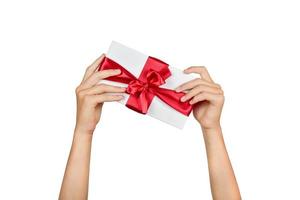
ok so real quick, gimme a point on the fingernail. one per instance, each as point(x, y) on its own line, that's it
point(186, 71)
point(117, 71)
point(191, 102)
point(178, 89)
point(183, 98)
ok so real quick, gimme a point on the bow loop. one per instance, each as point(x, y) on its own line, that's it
point(155, 79)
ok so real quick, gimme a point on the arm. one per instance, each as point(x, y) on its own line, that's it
point(207, 98)
point(90, 99)
point(222, 178)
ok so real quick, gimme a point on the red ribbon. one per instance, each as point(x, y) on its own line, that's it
point(143, 89)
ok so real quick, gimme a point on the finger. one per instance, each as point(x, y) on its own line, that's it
point(201, 88)
point(199, 70)
point(93, 67)
point(97, 76)
point(105, 98)
point(102, 88)
point(193, 83)
point(207, 96)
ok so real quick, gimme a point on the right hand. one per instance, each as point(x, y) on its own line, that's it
point(206, 96)
point(91, 95)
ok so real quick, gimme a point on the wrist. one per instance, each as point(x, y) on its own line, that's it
point(212, 129)
point(212, 133)
point(215, 127)
point(83, 134)
point(79, 129)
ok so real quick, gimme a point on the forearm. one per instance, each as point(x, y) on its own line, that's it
point(222, 178)
point(90, 97)
point(76, 178)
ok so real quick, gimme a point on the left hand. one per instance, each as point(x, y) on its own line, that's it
point(91, 95)
point(206, 97)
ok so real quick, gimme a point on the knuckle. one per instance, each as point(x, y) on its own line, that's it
point(102, 88)
point(218, 85)
point(222, 94)
point(204, 94)
point(103, 98)
point(80, 94)
point(98, 74)
point(196, 98)
point(77, 89)
point(203, 68)
point(114, 97)
point(221, 97)
point(198, 80)
point(200, 87)
point(107, 72)
point(188, 96)
point(217, 90)
point(88, 69)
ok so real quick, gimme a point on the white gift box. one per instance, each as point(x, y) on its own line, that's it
point(134, 62)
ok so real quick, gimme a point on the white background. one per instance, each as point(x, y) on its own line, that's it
point(251, 48)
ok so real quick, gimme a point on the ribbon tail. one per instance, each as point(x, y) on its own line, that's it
point(172, 98)
point(141, 103)
point(124, 77)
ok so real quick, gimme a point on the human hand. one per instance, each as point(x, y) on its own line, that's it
point(206, 97)
point(91, 95)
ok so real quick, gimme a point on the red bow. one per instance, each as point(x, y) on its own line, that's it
point(143, 89)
